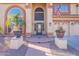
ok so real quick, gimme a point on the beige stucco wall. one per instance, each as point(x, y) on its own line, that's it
point(29, 21)
point(50, 26)
point(73, 9)
point(69, 28)
point(74, 29)
point(49, 21)
point(78, 10)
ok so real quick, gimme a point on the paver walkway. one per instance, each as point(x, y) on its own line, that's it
point(42, 46)
point(37, 46)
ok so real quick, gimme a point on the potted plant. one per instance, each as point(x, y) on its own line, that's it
point(1, 30)
point(60, 32)
point(59, 41)
point(19, 23)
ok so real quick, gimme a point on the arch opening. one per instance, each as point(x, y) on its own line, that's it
point(10, 20)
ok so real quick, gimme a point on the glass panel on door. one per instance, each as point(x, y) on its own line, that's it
point(38, 29)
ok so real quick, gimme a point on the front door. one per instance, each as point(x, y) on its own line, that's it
point(39, 21)
point(39, 29)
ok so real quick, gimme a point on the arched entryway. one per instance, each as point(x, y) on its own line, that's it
point(10, 13)
point(39, 21)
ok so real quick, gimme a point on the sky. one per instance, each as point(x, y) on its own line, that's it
point(15, 11)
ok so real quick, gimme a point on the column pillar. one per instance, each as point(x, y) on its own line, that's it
point(28, 21)
point(49, 20)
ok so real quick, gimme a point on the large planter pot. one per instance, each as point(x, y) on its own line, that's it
point(60, 34)
point(16, 43)
point(62, 44)
point(17, 33)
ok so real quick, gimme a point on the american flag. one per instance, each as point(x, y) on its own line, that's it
point(58, 11)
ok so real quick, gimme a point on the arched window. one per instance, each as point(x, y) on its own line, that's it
point(39, 9)
point(11, 13)
point(39, 14)
point(14, 11)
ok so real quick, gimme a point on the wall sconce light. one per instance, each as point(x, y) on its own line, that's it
point(50, 24)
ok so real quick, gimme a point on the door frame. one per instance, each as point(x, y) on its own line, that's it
point(33, 18)
point(42, 28)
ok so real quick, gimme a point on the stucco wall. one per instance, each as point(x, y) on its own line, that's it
point(51, 27)
point(74, 29)
point(71, 29)
point(49, 21)
point(73, 9)
point(29, 21)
